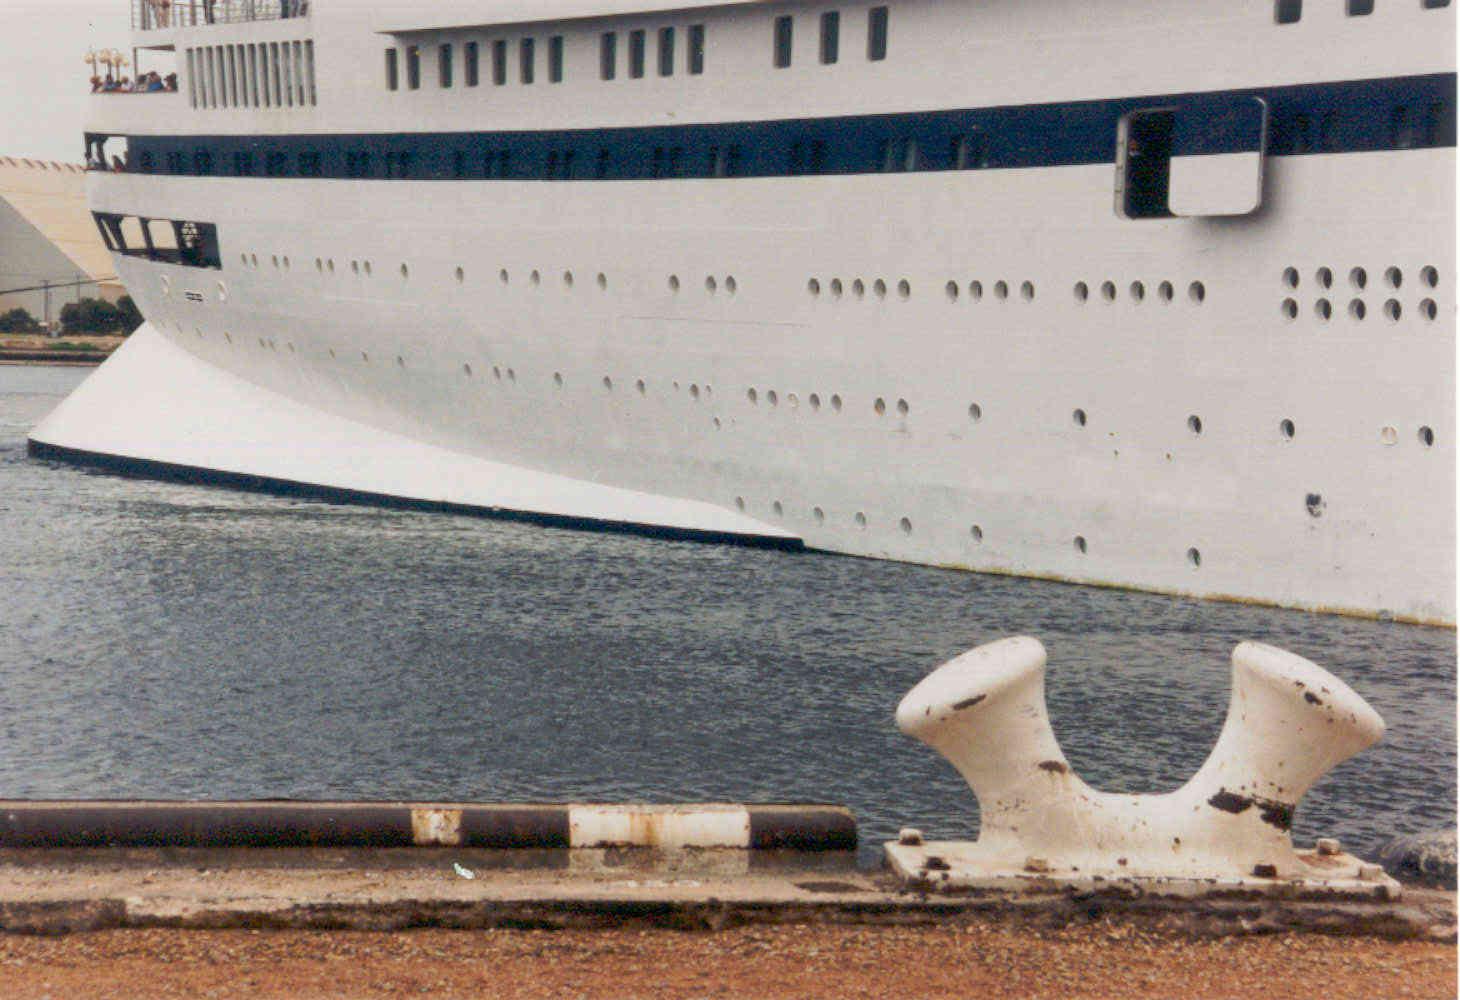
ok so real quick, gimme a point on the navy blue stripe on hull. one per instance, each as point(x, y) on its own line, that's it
point(142, 468)
point(1415, 112)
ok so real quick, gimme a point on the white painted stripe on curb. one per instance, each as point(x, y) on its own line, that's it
point(662, 826)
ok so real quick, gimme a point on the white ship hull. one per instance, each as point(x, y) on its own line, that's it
point(681, 361)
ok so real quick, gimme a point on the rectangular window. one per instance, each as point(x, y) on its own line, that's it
point(469, 54)
point(608, 55)
point(499, 63)
point(443, 63)
point(309, 69)
point(666, 51)
point(696, 52)
point(831, 32)
point(413, 67)
point(288, 77)
point(877, 34)
point(202, 162)
point(783, 42)
point(233, 76)
point(207, 88)
point(527, 53)
point(192, 78)
point(275, 164)
point(243, 76)
point(310, 164)
point(1288, 11)
point(1435, 4)
point(555, 59)
point(253, 73)
point(275, 75)
point(268, 101)
point(300, 90)
point(1358, 8)
point(636, 54)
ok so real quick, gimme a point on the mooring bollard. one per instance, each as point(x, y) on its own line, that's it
point(1288, 723)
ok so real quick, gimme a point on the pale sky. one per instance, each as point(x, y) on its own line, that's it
point(43, 102)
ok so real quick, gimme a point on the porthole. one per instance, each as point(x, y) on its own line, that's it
point(497, 373)
point(1323, 309)
point(1026, 291)
point(400, 362)
point(975, 290)
point(229, 337)
point(254, 259)
point(836, 403)
point(731, 285)
point(244, 257)
point(902, 407)
point(465, 369)
point(1357, 309)
point(1290, 277)
point(905, 525)
point(365, 357)
point(602, 282)
point(1389, 436)
point(1427, 437)
point(739, 503)
point(534, 279)
point(504, 277)
point(607, 384)
point(674, 283)
point(1193, 556)
point(694, 392)
point(1393, 310)
point(319, 265)
point(1165, 291)
point(793, 400)
point(1081, 546)
point(858, 288)
point(904, 289)
point(511, 375)
point(332, 352)
point(275, 260)
point(711, 285)
point(1288, 429)
point(567, 279)
point(951, 291)
point(772, 398)
point(880, 406)
point(639, 384)
point(1358, 277)
point(879, 288)
point(1079, 418)
point(1290, 308)
point(779, 510)
point(814, 400)
point(166, 286)
point(1324, 277)
point(1429, 276)
point(1193, 424)
point(355, 266)
point(860, 519)
point(1137, 291)
point(976, 533)
point(836, 288)
point(1197, 292)
point(1428, 309)
point(405, 271)
point(1393, 277)
point(286, 263)
point(751, 395)
point(814, 287)
point(1107, 291)
point(330, 265)
point(558, 379)
point(975, 412)
point(819, 515)
point(460, 275)
point(1082, 292)
point(368, 269)
point(222, 292)
point(1001, 289)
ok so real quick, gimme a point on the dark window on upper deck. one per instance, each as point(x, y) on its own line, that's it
point(469, 55)
point(392, 70)
point(499, 62)
point(604, 165)
point(443, 62)
point(696, 49)
point(144, 163)
point(666, 51)
point(636, 53)
point(175, 163)
point(970, 152)
point(1288, 11)
point(782, 52)
point(1358, 8)
point(413, 67)
point(311, 164)
point(555, 59)
point(831, 34)
point(243, 164)
point(608, 55)
point(202, 162)
point(276, 164)
point(527, 56)
point(877, 34)
point(1434, 4)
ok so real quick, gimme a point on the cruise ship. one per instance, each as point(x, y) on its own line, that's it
point(1153, 296)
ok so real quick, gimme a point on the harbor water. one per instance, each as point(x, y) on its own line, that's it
point(175, 641)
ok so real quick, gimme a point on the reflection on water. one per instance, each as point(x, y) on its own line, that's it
point(167, 640)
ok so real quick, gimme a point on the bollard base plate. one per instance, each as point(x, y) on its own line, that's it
point(954, 866)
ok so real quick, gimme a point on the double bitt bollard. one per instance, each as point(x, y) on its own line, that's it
point(1289, 722)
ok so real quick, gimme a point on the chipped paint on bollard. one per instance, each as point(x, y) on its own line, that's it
point(1227, 829)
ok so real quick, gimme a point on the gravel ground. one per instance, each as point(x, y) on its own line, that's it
point(963, 961)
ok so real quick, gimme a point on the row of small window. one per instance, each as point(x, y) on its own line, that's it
point(527, 59)
point(256, 75)
point(829, 47)
point(1291, 11)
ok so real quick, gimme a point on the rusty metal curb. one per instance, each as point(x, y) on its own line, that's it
point(268, 824)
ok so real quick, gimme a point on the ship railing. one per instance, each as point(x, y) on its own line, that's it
point(155, 15)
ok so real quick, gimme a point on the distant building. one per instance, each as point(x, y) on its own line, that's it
point(50, 250)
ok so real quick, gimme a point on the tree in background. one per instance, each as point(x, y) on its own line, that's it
point(92, 316)
point(131, 316)
point(18, 321)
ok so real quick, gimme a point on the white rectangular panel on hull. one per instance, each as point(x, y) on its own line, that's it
point(154, 402)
